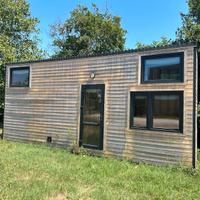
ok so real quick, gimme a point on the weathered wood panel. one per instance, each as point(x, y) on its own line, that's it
point(51, 107)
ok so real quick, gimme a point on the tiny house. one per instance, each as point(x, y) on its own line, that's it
point(137, 104)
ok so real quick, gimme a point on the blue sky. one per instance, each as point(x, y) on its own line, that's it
point(144, 20)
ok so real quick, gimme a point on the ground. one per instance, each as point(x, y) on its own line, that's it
point(30, 172)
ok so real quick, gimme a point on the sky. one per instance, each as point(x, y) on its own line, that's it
point(144, 20)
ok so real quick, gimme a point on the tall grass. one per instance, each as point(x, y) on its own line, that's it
point(36, 172)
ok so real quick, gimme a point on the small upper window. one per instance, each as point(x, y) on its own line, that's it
point(19, 77)
point(162, 68)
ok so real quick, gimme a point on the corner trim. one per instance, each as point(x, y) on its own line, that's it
point(194, 109)
point(5, 81)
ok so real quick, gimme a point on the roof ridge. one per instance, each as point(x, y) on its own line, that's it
point(173, 45)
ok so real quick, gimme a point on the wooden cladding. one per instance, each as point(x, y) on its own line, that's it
point(51, 106)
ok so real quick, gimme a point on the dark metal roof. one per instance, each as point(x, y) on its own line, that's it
point(174, 45)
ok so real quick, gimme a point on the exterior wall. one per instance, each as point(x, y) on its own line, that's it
point(51, 106)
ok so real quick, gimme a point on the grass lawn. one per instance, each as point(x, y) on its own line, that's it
point(39, 172)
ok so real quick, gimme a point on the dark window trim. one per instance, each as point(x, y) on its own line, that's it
point(19, 68)
point(180, 54)
point(132, 102)
point(150, 97)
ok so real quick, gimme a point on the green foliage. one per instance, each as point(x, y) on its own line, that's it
point(18, 36)
point(198, 110)
point(76, 149)
point(162, 42)
point(88, 32)
point(190, 29)
point(39, 172)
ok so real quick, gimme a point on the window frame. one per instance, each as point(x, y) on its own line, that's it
point(158, 56)
point(18, 69)
point(149, 117)
point(132, 102)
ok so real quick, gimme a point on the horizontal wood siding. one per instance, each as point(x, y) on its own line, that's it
point(51, 107)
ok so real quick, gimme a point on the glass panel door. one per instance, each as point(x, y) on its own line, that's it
point(91, 126)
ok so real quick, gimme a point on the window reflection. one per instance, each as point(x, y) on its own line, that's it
point(92, 105)
point(91, 116)
point(166, 111)
point(162, 69)
point(140, 111)
point(19, 77)
point(157, 110)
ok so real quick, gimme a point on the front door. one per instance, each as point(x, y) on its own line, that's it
point(92, 116)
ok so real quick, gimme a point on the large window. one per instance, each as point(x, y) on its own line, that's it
point(19, 77)
point(157, 110)
point(162, 68)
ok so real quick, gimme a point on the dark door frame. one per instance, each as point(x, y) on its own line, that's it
point(83, 89)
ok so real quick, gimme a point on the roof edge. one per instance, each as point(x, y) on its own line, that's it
point(175, 45)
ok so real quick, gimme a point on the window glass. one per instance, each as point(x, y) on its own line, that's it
point(166, 69)
point(166, 111)
point(19, 77)
point(140, 111)
point(157, 110)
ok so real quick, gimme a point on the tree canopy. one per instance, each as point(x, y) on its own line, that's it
point(88, 32)
point(190, 29)
point(158, 43)
point(18, 36)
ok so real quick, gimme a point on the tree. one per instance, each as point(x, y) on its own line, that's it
point(190, 29)
point(162, 42)
point(18, 36)
point(88, 32)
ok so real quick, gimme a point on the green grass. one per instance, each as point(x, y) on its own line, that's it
point(39, 172)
